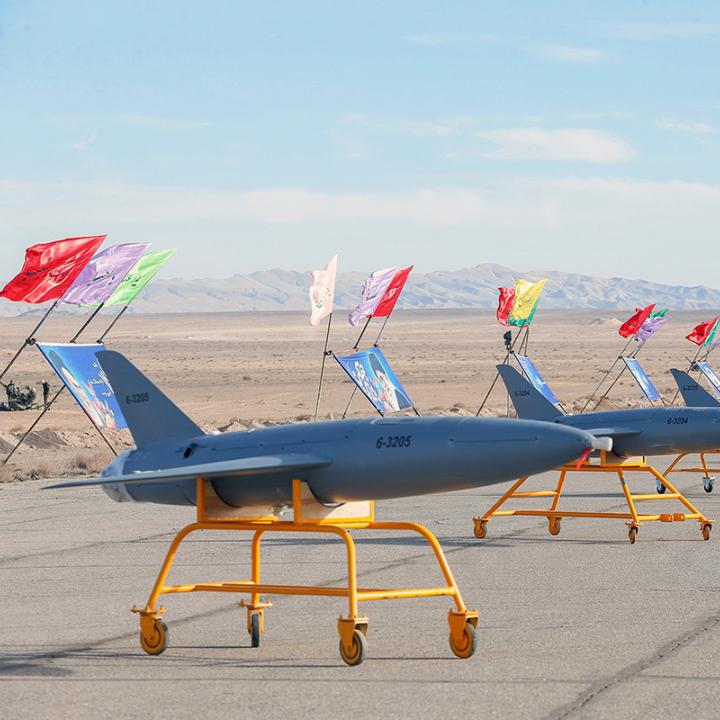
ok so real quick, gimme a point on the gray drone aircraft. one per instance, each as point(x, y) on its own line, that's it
point(638, 431)
point(341, 461)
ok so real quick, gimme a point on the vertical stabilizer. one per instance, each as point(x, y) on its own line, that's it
point(151, 416)
point(529, 403)
point(693, 393)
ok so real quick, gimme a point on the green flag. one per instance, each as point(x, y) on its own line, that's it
point(136, 280)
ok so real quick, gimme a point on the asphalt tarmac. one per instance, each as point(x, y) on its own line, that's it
point(582, 625)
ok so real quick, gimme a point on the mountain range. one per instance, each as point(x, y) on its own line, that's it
point(472, 287)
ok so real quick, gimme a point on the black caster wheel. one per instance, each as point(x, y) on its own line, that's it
point(255, 630)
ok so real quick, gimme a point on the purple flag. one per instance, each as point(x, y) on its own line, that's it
point(371, 294)
point(649, 328)
point(103, 274)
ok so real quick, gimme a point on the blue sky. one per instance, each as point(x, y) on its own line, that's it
point(560, 135)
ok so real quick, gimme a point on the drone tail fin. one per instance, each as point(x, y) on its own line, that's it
point(151, 416)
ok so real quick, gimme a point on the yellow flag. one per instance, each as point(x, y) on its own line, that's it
point(527, 295)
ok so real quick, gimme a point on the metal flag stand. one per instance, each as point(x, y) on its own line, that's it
point(377, 409)
point(31, 341)
point(607, 373)
point(510, 352)
point(87, 322)
point(48, 405)
point(355, 347)
point(622, 357)
point(112, 324)
point(322, 366)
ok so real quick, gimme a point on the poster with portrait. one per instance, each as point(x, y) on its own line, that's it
point(80, 372)
point(642, 379)
point(712, 377)
point(372, 373)
point(537, 380)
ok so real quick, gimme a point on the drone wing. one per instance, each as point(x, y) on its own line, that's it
point(259, 465)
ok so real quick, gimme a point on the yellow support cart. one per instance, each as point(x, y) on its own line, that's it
point(309, 516)
point(605, 464)
point(705, 470)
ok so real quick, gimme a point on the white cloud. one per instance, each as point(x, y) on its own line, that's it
point(694, 128)
point(85, 142)
point(563, 145)
point(575, 224)
point(571, 54)
point(523, 203)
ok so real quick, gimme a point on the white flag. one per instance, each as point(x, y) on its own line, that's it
point(322, 292)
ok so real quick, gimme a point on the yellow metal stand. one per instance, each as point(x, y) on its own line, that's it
point(605, 464)
point(309, 517)
point(708, 479)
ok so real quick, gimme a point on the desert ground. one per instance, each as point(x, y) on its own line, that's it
point(230, 371)
point(583, 625)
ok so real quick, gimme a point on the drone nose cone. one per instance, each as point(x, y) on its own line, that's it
point(528, 447)
point(566, 447)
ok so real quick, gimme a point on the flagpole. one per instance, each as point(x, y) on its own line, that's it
point(635, 352)
point(87, 322)
point(510, 352)
point(46, 408)
point(347, 407)
point(607, 392)
point(362, 332)
point(377, 340)
point(524, 346)
point(112, 324)
point(607, 373)
point(322, 366)
point(30, 340)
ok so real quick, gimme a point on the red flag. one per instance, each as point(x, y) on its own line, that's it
point(506, 300)
point(701, 333)
point(388, 300)
point(633, 324)
point(51, 268)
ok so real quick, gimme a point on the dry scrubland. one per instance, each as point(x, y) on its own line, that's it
point(236, 370)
